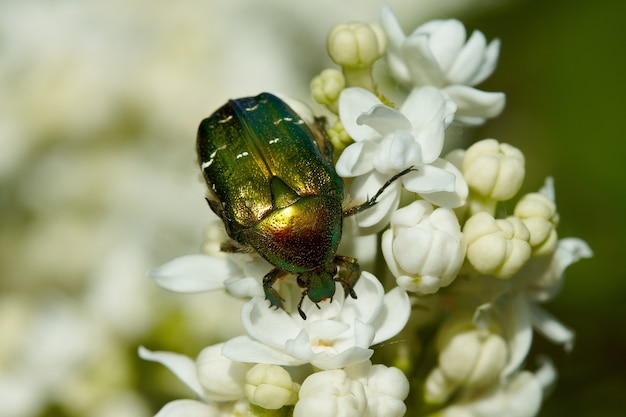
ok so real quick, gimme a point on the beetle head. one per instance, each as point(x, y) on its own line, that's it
point(318, 285)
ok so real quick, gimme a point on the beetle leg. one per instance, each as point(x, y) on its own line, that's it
point(270, 293)
point(348, 273)
point(232, 246)
point(304, 293)
point(372, 201)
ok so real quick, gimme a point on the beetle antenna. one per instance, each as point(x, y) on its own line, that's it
point(300, 305)
point(372, 201)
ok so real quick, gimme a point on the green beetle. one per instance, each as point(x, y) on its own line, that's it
point(272, 182)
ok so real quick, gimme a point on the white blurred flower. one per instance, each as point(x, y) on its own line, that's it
point(239, 274)
point(540, 280)
point(270, 387)
point(337, 334)
point(438, 54)
point(496, 246)
point(214, 378)
point(424, 247)
point(388, 141)
point(53, 351)
point(359, 390)
point(194, 408)
point(519, 395)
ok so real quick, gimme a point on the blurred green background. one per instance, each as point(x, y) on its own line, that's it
point(562, 68)
point(98, 182)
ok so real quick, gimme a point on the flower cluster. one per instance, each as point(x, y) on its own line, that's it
point(461, 285)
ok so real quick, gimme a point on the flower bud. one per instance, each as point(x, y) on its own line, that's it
point(468, 358)
point(339, 137)
point(221, 378)
point(270, 387)
point(424, 247)
point(496, 246)
point(356, 45)
point(493, 170)
point(331, 393)
point(539, 214)
point(326, 88)
point(387, 388)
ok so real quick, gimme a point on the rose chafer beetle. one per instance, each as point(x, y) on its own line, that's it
point(272, 182)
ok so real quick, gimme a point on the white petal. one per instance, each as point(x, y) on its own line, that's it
point(387, 248)
point(429, 179)
point(350, 356)
point(476, 103)
point(272, 326)
point(548, 189)
point(546, 374)
point(519, 334)
point(570, 250)
point(244, 287)
point(352, 103)
point(182, 366)
point(246, 349)
point(356, 159)
point(450, 199)
point(300, 346)
point(394, 315)
point(369, 303)
point(490, 60)
point(388, 21)
point(469, 60)
point(447, 41)
point(551, 328)
point(523, 395)
point(384, 120)
point(187, 408)
point(421, 63)
point(192, 273)
point(395, 39)
point(429, 111)
point(397, 152)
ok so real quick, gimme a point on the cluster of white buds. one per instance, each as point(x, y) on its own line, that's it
point(460, 266)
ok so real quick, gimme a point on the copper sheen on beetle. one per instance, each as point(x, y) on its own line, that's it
point(272, 182)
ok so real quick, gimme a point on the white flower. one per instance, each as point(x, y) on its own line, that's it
point(496, 246)
point(337, 334)
point(187, 408)
point(424, 247)
point(438, 54)
point(359, 390)
point(520, 396)
point(388, 141)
